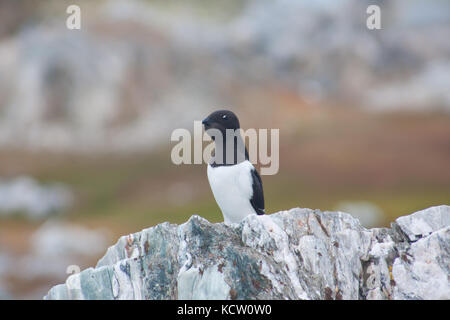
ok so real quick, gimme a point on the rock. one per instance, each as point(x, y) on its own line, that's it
point(56, 249)
point(26, 196)
point(422, 223)
point(295, 254)
point(57, 239)
point(368, 214)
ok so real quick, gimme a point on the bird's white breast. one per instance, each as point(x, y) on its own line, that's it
point(232, 189)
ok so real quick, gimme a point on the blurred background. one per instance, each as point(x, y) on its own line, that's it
point(86, 116)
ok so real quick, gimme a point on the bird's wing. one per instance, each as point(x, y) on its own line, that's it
point(257, 200)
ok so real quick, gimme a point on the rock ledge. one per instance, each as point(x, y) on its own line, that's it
point(295, 254)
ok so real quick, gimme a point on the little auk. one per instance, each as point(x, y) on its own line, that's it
point(234, 181)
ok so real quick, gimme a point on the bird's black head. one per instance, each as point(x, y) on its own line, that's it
point(221, 120)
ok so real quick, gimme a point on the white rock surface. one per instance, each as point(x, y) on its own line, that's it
point(422, 223)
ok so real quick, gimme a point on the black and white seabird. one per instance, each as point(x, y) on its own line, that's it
point(234, 181)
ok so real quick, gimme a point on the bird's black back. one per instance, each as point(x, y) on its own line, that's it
point(257, 200)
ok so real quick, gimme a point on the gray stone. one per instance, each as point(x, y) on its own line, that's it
point(424, 222)
point(295, 254)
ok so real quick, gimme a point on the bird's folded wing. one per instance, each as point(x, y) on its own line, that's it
point(257, 199)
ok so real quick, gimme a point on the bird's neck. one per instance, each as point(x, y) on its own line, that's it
point(229, 152)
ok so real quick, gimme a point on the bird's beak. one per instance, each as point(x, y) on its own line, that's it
point(206, 122)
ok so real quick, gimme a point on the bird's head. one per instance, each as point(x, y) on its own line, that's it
point(221, 120)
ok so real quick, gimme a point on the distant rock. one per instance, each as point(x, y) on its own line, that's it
point(56, 249)
point(57, 239)
point(368, 214)
point(26, 196)
point(295, 254)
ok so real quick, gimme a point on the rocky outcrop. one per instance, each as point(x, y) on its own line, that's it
point(295, 254)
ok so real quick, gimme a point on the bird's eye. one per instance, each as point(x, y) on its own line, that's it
point(224, 116)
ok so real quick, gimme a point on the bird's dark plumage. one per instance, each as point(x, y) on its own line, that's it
point(257, 199)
